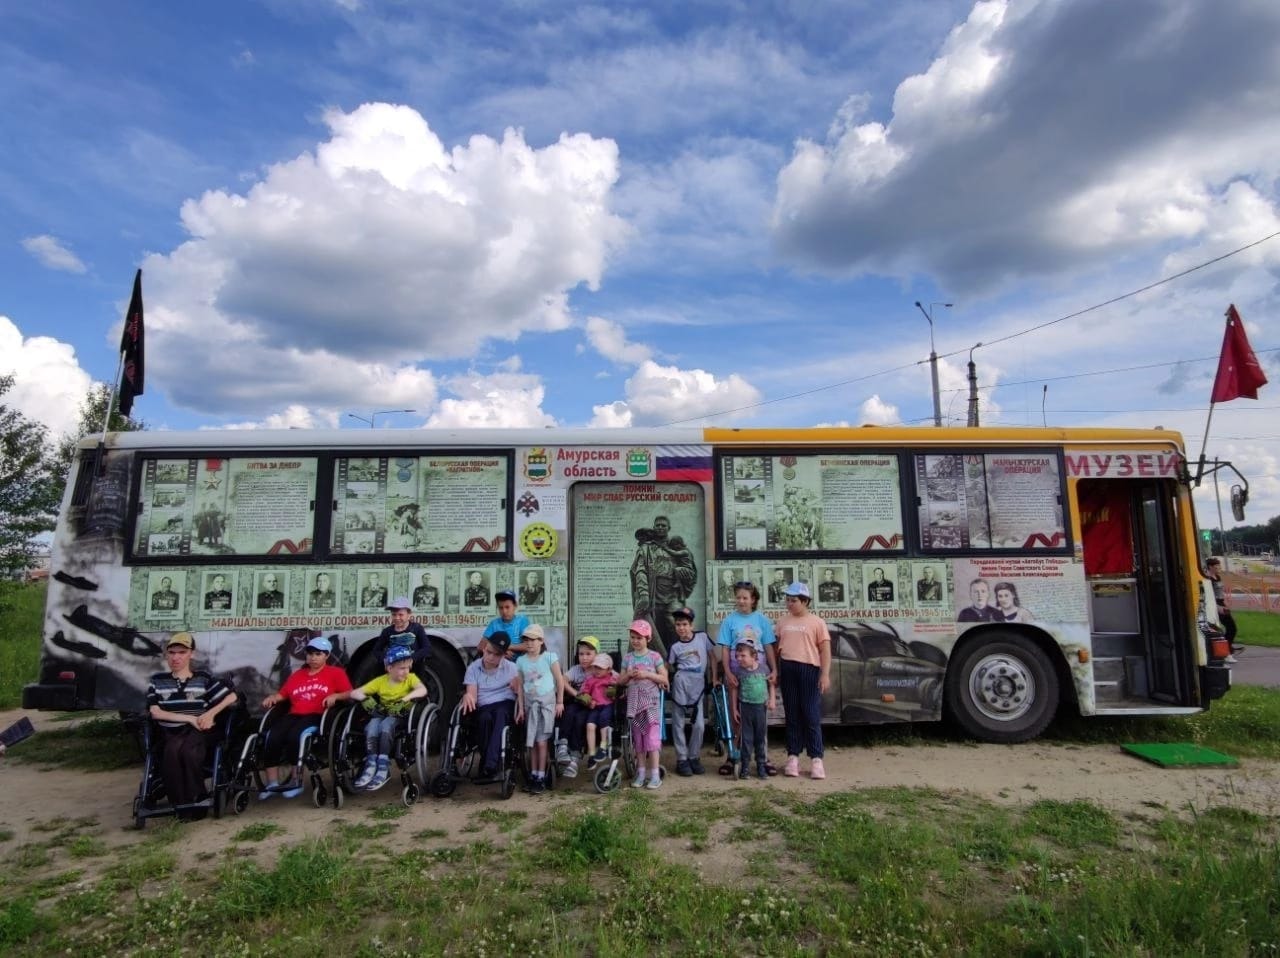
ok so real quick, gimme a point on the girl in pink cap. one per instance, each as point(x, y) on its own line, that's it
point(645, 676)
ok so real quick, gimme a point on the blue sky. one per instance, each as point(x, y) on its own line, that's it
point(636, 214)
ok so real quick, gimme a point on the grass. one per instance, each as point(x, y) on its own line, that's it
point(21, 612)
point(895, 870)
point(1258, 628)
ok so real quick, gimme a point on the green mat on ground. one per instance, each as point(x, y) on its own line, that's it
point(1179, 754)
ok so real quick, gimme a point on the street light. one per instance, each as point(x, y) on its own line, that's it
point(380, 412)
point(933, 360)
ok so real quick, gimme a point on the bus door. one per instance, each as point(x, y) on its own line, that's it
point(1159, 574)
point(638, 552)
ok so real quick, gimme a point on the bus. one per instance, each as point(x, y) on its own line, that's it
point(986, 575)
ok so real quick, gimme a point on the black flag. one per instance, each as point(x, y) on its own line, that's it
point(131, 348)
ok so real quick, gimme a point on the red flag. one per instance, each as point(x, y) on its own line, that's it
point(1239, 373)
point(131, 348)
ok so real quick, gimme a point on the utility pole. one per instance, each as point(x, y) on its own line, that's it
point(973, 388)
point(933, 360)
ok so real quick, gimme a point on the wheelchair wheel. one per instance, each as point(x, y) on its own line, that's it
point(608, 777)
point(553, 771)
point(319, 795)
point(409, 794)
point(139, 820)
point(338, 797)
point(508, 787)
point(239, 802)
point(422, 731)
point(442, 785)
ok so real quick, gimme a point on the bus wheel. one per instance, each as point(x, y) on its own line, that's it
point(1002, 688)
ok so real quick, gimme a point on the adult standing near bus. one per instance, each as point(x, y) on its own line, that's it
point(804, 651)
point(1228, 621)
point(184, 702)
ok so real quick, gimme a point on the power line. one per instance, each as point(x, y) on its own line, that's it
point(1031, 329)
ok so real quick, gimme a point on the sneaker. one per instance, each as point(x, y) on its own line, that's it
point(487, 776)
point(816, 770)
point(601, 754)
point(266, 793)
point(381, 775)
point(640, 780)
point(770, 768)
point(366, 773)
point(655, 782)
point(293, 791)
point(792, 768)
point(742, 772)
point(762, 772)
point(562, 751)
point(592, 762)
point(535, 786)
point(683, 769)
point(695, 766)
point(1231, 660)
point(570, 770)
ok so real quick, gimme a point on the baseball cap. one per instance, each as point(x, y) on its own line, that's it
point(685, 613)
point(602, 661)
point(320, 644)
point(397, 653)
point(499, 642)
point(184, 639)
point(798, 588)
point(505, 594)
point(642, 627)
point(590, 640)
point(749, 643)
point(399, 602)
point(534, 632)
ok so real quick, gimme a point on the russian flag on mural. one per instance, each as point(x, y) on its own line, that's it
point(684, 463)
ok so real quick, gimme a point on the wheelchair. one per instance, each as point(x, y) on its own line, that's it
point(460, 758)
point(312, 755)
point(622, 762)
point(342, 729)
point(152, 800)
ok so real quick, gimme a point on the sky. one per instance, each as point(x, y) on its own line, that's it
point(639, 214)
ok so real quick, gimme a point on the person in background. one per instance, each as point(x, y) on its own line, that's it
point(1227, 620)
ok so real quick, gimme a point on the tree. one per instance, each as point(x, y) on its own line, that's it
point(92, 410)
point(29, 487)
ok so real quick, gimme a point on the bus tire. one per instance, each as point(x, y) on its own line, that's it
point(1001, 688)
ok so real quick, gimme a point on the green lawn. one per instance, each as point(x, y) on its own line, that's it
point(1258, 628)
point(21, 611)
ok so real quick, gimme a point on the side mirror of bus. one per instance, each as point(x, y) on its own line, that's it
point(1239, 499)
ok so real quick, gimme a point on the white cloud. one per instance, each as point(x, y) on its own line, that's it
point(49, 384)
point(51, 253)
point(657, 395)
point(507, 398)
point(1013, 154)
point(877, 412)
point(330, 279)
point(610, 341)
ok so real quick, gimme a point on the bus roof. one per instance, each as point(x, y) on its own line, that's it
point(228, 439)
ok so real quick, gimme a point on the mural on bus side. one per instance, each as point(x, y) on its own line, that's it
point(894, 622)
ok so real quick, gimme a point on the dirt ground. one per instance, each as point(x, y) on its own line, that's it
point(31, 796)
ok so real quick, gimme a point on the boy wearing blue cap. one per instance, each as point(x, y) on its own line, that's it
point(306, 691)
point(387, 700)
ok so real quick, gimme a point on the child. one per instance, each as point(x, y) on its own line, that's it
point(690, 660)
point(305, 691)
point(744, 622)
point(749, 698)
point(600, 714)
point(386, 698)
point(507, 621)
point(645, 675)
point(489, 693)
point(539, 701)
point(804, 645)
point(573, 723)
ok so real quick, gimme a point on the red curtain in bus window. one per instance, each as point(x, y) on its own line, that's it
point(1105, 527)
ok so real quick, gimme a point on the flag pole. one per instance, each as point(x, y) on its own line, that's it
point(1204, 444)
